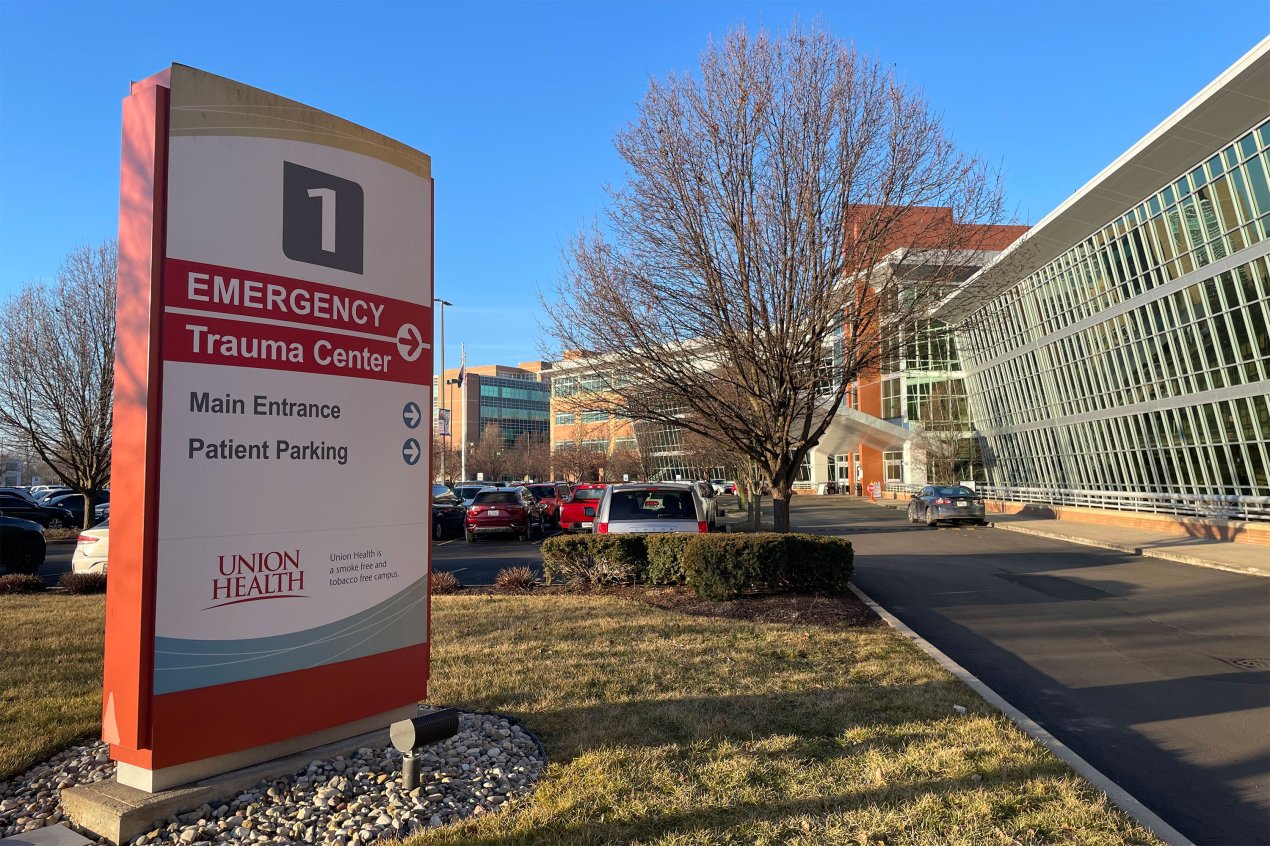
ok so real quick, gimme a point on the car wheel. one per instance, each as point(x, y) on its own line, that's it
point(912, 515)
point(931, 522)
point(437, 530)
point(981, 522)
point(470, 535)
point(55, 523)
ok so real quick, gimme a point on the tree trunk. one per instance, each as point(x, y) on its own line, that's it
point(781, 495)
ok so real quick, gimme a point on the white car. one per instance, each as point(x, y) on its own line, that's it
point(91, 549)
point(648, 507)
point(723, 486)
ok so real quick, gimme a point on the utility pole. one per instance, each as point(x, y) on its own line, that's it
point(443, 382)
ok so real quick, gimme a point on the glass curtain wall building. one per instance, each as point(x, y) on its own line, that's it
point(1119, 354)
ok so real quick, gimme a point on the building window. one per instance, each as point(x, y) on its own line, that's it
point(594, 416)
point(564, 418)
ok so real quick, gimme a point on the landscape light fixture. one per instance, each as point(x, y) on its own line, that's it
point(408, 735)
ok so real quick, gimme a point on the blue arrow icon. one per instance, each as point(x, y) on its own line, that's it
point(412, 414)
point(410, 452)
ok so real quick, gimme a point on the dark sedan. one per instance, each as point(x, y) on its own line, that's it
point(946, 504)
point(74, 503)
point(21, 545)
point(49, 518)
point(447, 512)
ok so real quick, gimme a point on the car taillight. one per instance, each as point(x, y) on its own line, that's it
point(703, 527)
point(602, 528)
point(943, 500)
point(87, 539)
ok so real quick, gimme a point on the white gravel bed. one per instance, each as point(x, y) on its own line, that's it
point(338, 802)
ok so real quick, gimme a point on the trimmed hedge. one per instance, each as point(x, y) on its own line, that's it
point(716, 567)
point(665, 558)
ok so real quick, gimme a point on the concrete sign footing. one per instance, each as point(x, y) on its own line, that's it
point(119, 813)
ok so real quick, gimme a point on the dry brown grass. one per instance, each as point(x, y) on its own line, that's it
point(50, 677)
point(664, 728)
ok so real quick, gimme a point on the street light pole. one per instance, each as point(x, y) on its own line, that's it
point(443, 383)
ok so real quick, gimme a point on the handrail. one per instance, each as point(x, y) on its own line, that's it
point(1180, 504)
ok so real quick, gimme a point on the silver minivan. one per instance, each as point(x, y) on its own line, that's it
point(646, 507)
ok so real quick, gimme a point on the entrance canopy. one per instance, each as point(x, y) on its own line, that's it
point(852, 428)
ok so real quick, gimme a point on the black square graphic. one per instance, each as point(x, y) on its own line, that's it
point(322, 218)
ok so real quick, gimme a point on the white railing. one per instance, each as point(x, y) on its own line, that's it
point(1179, 504)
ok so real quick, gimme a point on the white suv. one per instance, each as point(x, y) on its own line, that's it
point(649, 507)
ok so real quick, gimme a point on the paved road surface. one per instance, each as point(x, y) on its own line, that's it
point(57, 561)
point(1155, 672)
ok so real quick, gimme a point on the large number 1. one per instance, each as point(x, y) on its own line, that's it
point(327, 196)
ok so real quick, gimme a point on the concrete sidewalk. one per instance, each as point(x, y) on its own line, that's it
point(1247, 558)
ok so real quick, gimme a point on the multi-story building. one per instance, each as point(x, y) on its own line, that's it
point(1119, 353)
point(577, 425)
point(516, 400)
point(897, 415)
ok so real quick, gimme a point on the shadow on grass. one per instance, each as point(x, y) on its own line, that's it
point(817, 715)
point(879, 810)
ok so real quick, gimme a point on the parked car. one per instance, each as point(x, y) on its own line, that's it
point(946, 503)
point(447, 512)
point(91, 549)
point(500, 510)
point(585, 497)
point(74, 503)
point(467, 491)
point(51, 493)
point(49, 518)
point(723, 486)
point(551, 495)
point(706, 491)
point(21, 545)
point(19, 492)
point(647, 507)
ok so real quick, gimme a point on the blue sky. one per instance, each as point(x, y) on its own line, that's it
point(518, 103)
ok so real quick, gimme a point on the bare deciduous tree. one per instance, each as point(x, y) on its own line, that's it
point(763, 196)
point(491, 456)
point(57, 357)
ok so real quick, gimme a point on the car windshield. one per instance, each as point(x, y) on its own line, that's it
point(542, 491)
point(652, 505)
point(497, 498)
point(467, 493)
point(588, 494)
point(954, 490)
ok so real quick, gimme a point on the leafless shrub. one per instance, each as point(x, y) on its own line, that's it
point(441, 582)
point(519, 579)
point(83, 582)
point(20, 583)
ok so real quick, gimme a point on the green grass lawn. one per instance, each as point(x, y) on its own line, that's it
point(669, 729)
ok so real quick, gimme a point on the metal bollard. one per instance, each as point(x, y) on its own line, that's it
point(408, 735)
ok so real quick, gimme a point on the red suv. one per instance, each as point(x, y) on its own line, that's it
point(550, 496)
point(573, 516)
point(498, 510)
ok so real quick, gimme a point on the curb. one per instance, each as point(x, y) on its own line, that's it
point(1145, 552)
point(1120, 797)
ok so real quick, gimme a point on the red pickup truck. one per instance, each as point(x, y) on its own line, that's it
point(573, 516)
point(551, 495)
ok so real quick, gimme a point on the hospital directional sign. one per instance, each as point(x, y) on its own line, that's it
point(274, 354)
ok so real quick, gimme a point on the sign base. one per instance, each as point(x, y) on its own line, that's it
point(165, 778)
point(119, 812)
